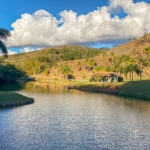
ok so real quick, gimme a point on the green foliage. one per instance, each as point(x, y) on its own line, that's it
point(54, 51)
point(4, 33)
point(91, 80)
point(98, 78)
point(32, 67)
point(41, 61)
point(65, 70)
point(9, 73)
point(147, 51)
point(44, 59)
point(84, 75)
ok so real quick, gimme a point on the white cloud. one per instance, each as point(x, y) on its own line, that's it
point(42, 29)
point(10, 52)
point(28, 49)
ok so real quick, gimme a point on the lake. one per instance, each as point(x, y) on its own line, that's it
point(62, 119)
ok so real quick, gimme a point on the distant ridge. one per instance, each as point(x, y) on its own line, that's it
point(134, 47)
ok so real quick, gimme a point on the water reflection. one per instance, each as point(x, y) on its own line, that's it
point(44, 87)
point(71, 119)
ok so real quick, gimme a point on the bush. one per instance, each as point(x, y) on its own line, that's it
point(9, 73)
point(92, 80)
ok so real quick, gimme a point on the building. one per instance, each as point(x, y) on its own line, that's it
point(106, 77)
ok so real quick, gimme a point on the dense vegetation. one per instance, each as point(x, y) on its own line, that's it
point(4, 33)
point(9, 73)
point(41, 61)
point(125, 65)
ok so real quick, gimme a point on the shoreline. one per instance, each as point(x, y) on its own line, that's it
point(16, 103)
point(136, 89)
point(11, 99)
point(105, 91)
point(111, 92)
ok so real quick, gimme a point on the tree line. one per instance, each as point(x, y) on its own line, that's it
point(8, 72)
point(124, 65)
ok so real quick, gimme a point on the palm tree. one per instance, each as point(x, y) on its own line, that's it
point(141, 62)
point(79, 65)
point(65, 70)
point(112, 54)
point(147, 51)
point(4, 33)
point(90, 63)
point(124, 60)
point(130, 67)
point(104, 55)
point(111, 58)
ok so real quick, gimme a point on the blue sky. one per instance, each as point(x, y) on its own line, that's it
point(81, 22)
point(10, 11)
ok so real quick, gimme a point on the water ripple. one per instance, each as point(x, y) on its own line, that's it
point(76, 120)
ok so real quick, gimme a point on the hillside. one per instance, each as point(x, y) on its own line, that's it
point(133, 48)
point(60, 53)
point(49, 60)
point(41, 61)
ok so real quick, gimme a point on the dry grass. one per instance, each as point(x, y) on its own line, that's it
point(133, 48)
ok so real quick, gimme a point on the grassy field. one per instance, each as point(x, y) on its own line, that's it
point(12, 97)
point(136, 89)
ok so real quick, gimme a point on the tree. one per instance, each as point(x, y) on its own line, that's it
point(65, 70)
point(4, 33)
point(90, 63)
point(130, 66)
point(104, 55)
point(79, 65)
point(111, 58)
point(123, 62)
point(147, 51)
point(141, 62)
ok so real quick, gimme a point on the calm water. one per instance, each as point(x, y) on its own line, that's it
point(62, 119)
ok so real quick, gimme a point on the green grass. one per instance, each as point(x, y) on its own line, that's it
point(11, 97)
point(138, 89)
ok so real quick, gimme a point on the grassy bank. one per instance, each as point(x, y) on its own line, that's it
point(13, 99)
point(136, 89)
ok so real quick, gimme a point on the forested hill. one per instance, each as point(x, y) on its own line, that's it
point(40, 61)
point(133, 56)
point(60, 53)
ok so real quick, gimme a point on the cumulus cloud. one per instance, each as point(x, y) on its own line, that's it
point(10, 52)
point(42, 29)
point(26, 49)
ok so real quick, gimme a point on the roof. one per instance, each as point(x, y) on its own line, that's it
point(103, 74)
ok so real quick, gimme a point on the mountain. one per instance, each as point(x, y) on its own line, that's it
point(49, 60)
point(60, 53)
point(132, 48)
